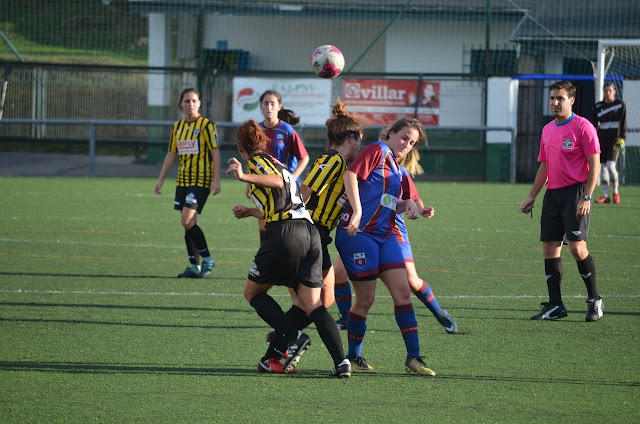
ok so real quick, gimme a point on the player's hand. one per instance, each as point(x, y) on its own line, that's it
point(248, 191)
point(354, 223)
point(427, 212)
point(240, 211)
point(157, 188)
point(527, 205)
point(584, 207)
point(235, 168)
point(411, 209)
point(215, 187)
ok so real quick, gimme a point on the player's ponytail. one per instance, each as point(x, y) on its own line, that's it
point(251, 138)
point(288, 116)
point(341, 125)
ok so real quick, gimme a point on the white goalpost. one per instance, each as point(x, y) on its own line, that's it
point(618, 62)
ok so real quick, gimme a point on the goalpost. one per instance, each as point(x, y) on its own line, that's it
point(619, 62)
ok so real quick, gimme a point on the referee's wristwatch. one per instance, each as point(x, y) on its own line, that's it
point(587, 197)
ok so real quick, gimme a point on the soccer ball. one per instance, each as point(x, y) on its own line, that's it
point(327, 61)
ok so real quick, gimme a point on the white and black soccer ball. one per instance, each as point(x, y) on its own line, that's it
point(327, 61)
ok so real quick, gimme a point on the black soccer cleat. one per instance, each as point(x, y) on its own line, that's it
point(550, 312)
point(296, 349)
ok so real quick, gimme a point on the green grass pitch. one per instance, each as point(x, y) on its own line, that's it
point(94, 326)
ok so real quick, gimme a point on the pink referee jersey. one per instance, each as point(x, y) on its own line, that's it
point(565, 147)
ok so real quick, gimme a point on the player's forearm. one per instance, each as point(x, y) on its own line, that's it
point(266, 180)
point(302, 164)
point(215, 157)
point(594, 174)
point(540, 180)
point(351, 189)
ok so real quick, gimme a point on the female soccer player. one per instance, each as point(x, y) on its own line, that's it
point(289, 255)
point(365, 239)
point(284, 142)
point(419, 287)
point(323, 190)
point(194, 139)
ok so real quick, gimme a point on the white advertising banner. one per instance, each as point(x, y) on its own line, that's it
point(309, 98)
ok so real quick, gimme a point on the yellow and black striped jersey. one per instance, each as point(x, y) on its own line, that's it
point(194, 141)
point(325, 180)
point(276, 204)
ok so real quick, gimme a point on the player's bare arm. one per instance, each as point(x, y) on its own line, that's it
point(538, 183)
point(584, 206)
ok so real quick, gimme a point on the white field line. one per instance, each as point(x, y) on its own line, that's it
point(130, 293)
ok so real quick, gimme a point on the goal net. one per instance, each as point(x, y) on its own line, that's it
point(619, 63)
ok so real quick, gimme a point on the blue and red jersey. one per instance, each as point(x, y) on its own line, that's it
point(285, 144)
point(380, 186)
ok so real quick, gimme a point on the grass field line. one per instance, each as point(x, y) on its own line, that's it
point(253, 249)
point(132, 293)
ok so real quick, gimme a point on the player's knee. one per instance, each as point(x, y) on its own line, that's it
point(579, 251)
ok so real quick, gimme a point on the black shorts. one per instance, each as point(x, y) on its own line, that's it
point(559, 216)
point(606, 150)
point(290, 254)
point(325, 239)
point(193, 197)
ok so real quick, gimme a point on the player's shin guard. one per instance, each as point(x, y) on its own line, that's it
point(406, 319)
point(329, 333)
point(199, 240)
point(604, 180)
point(426, 296)
point(192, 251)
point(271, 313)
point(356, 329)
point(587, 269)
point(553, 271)
point(343, 296)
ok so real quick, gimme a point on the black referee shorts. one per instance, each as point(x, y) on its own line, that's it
point(290, 254)
point(559, 215)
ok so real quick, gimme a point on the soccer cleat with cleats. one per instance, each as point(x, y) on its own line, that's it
point(207, 266)
point(594, 310)
point(417, 365)
point(603, 199)
point(550, 312)
point(296, 349)
point(273, 366)
point(192, 271)
point(360, 366)
point(448, 323)
point(342, 371)
point(341, 323)
point(616, 198)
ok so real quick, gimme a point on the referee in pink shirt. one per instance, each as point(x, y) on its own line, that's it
point(570, 165)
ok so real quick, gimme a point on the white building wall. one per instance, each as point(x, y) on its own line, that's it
point(297, 39)
point(406, 47)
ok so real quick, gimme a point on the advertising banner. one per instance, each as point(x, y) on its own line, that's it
point(309, 98)
point(382, 102)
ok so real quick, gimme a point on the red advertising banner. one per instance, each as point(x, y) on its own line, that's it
point(382, 102)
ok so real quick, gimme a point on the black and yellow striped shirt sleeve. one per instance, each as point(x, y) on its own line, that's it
point(276, 204)
point(325, 180)
point(194, 141)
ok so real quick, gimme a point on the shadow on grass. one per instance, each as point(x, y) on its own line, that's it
point(203, 370)
point(167, 277)
point(130, 324)
point(134, 307)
